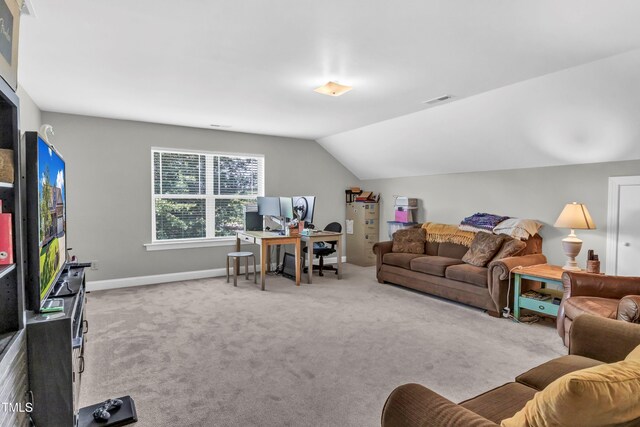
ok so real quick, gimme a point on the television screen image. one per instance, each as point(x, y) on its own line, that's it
point(51, 212)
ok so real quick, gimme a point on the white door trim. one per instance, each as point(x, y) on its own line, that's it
point(613, 214)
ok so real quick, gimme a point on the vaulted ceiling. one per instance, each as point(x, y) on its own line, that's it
point(533, 82)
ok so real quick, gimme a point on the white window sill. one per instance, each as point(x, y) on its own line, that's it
point(189, 244)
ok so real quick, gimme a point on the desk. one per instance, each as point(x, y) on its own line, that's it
point(266, 239)
point(322, 236)
point(551, 278)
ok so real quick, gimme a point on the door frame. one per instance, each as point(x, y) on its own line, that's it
point(613, 216)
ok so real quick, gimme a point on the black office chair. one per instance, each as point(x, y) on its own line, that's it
point(323, 249)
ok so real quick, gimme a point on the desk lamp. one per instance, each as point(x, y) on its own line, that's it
point(574, 216)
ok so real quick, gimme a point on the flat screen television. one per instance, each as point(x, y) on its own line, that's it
point(46, 218)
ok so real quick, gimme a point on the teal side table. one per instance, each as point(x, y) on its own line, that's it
point(551, 278)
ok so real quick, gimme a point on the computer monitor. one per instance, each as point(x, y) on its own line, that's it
point(286, 207)
point(253, 221)
point(269, 206)
point(304, 207)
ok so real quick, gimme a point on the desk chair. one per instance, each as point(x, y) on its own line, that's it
point(323, 249)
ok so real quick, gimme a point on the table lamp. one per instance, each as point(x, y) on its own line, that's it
point(574, 216)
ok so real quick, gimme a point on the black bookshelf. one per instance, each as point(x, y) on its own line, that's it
point(11, 194)
point(13, 342)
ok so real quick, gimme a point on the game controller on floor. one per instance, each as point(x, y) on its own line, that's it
point(102, 412)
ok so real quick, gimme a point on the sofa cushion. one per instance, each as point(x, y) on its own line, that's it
point(434, 265)
point(468, 273)
point(399, 259)
point(501, 402)
point(410, 241)
point(483, 248)
point(543, 375)
point(431, 248)
point(452, 250)
point(602, 307)
point(603, 395)
point(510, 247)
point(534, 245)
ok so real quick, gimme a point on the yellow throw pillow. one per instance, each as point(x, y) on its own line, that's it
point(604, 395)
point(634, 355)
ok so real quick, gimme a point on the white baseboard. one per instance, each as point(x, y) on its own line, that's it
point(127, 282)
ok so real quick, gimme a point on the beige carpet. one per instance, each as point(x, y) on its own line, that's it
point(203, 353)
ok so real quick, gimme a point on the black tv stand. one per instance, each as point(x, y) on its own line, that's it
point(65, 290)
point(69, 282)
point(55, 343)
point(76, 264)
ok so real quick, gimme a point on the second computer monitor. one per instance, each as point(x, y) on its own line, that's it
point(300, 207)
point(286, 207)
point(304, 207)
point(269, 206)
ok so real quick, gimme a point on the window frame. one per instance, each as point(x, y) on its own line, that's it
point(209, 239)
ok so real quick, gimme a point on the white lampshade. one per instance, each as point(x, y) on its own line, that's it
point(575, 216)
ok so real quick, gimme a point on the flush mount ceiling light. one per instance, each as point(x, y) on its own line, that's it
point(333, 89)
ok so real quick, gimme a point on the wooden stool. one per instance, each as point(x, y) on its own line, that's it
point(246, 256)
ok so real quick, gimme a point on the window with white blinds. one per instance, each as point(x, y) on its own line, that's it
point(201, 195)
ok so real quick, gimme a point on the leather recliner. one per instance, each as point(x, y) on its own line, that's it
point(615, 297)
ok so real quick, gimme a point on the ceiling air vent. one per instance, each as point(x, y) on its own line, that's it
point(438, 99)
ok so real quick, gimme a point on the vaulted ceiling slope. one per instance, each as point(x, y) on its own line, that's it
point(585, 114)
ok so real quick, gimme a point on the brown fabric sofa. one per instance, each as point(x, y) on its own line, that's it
point(441, 272)
point(615, 297)
point(594, 341)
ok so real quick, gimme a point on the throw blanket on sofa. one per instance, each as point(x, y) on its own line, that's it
point(519, 228)
point(483, 221)
point(446, 233)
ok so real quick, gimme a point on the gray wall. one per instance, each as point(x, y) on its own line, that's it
point(109, 206)
point(30, 114)
point(537, 193)
point(109, 187)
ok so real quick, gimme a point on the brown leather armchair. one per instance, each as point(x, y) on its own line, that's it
point(615, 297)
